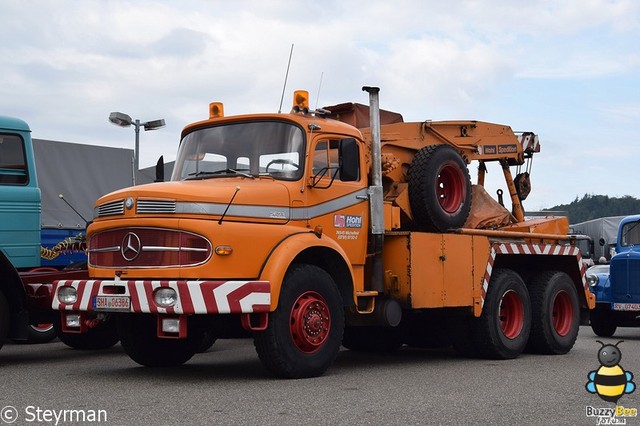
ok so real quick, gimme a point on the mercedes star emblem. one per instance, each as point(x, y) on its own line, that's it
point(131, 247)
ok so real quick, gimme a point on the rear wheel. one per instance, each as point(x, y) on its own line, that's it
point(305, 331)
point(502, 331)
point(555, 313)
point(4, 319)
point(439, 189)
point(602, 322)
point(138, 336)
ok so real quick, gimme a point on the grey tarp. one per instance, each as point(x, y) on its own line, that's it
point(83, 173)
point(605, 228)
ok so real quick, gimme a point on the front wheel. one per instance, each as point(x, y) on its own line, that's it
point(4, 319)
point(305, 331)
point(502, 331)
point(138, 336)
point(102, 336)
point(39, 333)
point(555, 311)
point(602, 323)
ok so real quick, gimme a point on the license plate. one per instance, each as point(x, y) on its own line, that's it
point(626, 306)
point(108, 303)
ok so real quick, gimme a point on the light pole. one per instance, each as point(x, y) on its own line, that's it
point(124, 120)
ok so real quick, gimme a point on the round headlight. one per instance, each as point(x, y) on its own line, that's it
point(165, 297)
point(67, 295)
point(592, 280)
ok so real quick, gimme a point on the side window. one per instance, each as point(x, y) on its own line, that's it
point(326, 161)
point(13, 167)
point(336, 159)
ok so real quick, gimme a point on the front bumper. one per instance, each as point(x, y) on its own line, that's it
point(193, 297)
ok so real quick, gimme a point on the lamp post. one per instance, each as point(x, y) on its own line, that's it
point(124, 120)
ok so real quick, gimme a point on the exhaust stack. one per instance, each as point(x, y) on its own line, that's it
point(375, 190)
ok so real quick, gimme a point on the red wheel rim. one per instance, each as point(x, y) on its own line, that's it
point(310, 322)
point(42, 328)
point(511, 314)
point(451, 190)
point(562, 313)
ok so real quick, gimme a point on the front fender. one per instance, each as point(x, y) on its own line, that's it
point(287, 251)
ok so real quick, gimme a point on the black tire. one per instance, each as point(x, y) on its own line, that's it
point(305, 331)
point(372, 339)
point(502, 331)
point(439, 189)
point(602, 322)
point(102, 336)
point(555, 313)
point(40, 333)
point(5, 318)
point(207, 339)
point(138, 336)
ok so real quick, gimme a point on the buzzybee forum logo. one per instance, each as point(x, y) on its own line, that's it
point(610, 382)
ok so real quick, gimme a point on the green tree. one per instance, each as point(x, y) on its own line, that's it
point(596, 206)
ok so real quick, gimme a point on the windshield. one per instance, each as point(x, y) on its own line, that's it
point(630, 235)
point(250, 149)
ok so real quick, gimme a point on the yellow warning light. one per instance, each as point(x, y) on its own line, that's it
point(216, 110)
point(224, 250)
point(300, 101)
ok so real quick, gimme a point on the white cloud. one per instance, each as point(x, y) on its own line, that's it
point(74, 62)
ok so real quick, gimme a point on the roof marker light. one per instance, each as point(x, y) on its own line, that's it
point(216, 110)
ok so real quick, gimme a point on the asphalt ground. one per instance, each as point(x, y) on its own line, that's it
point(227, 385)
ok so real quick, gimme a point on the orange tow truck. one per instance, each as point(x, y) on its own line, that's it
point(339, 226)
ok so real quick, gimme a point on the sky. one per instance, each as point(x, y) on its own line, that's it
point(567, 70)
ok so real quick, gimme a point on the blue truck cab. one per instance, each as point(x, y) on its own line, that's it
point(25, 282)
point(19, 196)
point(618, 291)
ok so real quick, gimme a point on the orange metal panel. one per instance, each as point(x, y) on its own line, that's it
point(435, 270)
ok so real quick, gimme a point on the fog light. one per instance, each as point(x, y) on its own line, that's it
point(72, 320)
point(67, 295)
point(593, 280)
point(165, 297)
point(171, 325)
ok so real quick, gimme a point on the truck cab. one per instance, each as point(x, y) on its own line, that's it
point(20, 195)
point(20, 219)
point(618, 294)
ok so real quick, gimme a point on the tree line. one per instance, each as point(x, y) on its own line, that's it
point(596, 206)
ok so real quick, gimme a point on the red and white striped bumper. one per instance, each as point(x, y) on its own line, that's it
point(194, 297)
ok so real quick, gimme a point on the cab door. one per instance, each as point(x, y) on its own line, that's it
point(336, 193)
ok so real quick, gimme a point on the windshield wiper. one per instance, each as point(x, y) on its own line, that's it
point(205, 174)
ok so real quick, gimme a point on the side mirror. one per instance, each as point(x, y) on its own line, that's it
point(349, 160)
point(160, 169)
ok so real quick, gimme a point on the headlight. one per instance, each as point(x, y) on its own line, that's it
point(165, 297)
point(67, 295)
point(593, 280)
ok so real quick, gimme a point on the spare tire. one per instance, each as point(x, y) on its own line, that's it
point(439, 189)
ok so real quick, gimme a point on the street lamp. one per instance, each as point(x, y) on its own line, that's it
point(124, 120)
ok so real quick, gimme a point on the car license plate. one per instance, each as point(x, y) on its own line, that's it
point(109, 303)
point(626, 306)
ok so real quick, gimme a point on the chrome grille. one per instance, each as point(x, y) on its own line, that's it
point(111, 208)
point(156, 206)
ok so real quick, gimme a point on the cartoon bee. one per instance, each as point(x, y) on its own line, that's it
point(610, 381)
